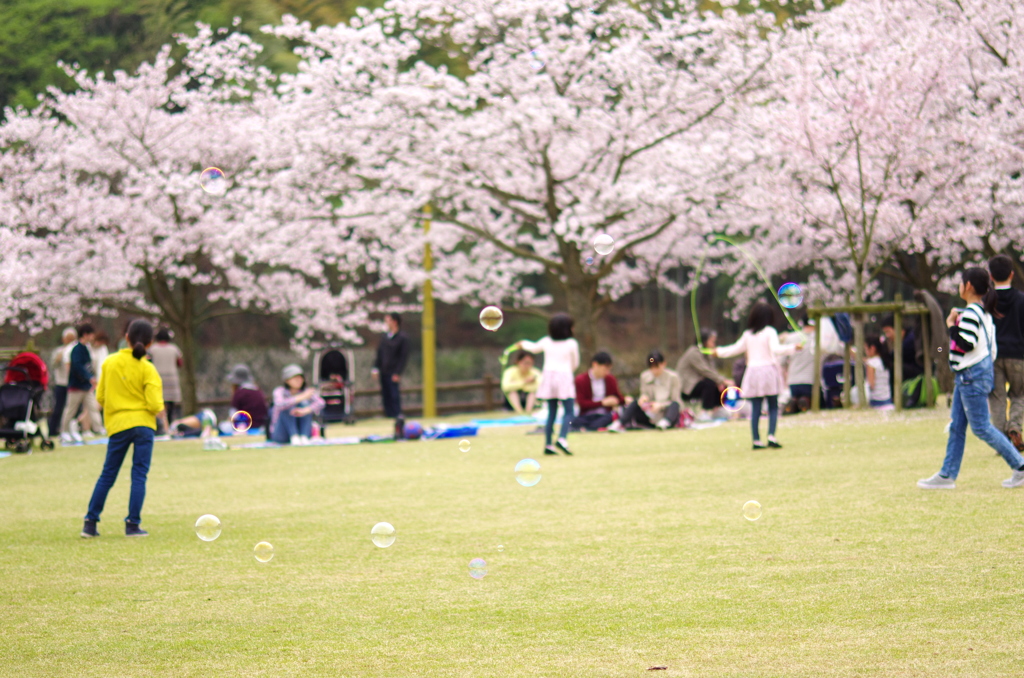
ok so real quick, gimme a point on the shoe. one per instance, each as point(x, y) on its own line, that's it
point(77, 437)
point(937, 482)
point(563, 445)
point(1016, 480)
point(774, 443)
point(133, 530)
point(616, 427)
point(550, 449)
point(296, 440)
point(760, 446)
point(663, 424)
point(1017, 441)
point(89, 529)
point(66, 439)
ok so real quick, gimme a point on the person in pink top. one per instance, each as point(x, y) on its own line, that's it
point(557, 381)
point(763, 376)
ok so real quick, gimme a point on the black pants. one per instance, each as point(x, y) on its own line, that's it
point(391, 396)
point(708, 392)
point(800, 391)
point(591, 421)
point(60, 398)
point(634, 415)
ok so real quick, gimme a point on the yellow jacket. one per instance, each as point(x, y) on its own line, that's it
point(513, 380)
point(130, 392)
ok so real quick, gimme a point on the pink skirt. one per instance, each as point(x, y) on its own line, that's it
point(762, 380)
point(556, 386)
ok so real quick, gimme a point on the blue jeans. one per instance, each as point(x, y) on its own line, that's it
point(549, 428)
point(289, 425)
point(755, 415)
point(117, 448)
point(970, 405)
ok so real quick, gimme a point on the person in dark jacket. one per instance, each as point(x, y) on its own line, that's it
point(392, 355)
point(1009, 365)
point(246, 396)
point(597, 394)
point(911, 368)
point(81, 380)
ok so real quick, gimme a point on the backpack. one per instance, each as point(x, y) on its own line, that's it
point(913, 392)
point(844, 328)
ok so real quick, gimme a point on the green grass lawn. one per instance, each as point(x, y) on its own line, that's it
point(631, 554)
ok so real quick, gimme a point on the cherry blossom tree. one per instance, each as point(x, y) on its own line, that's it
point(102, 201)
point(575, 120)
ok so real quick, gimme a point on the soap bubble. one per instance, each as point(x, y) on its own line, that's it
point(528, 472)
point(208, 527)
point(752, 510)
point(790, 295)
point(491, 318)
point(464, 446)
point(732, 399)
point(478, 568)
point(604, 244)
point(213, 181)
point(241, 421)
point(383, 535)
point(589, 260)
point(536, 62)
point(501, 547)
point(264, 552)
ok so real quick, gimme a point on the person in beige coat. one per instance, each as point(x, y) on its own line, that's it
point(659, 399)
point(698, 377)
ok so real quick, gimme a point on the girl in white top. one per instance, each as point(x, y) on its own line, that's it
point(557, 381)
point(763, 376)
point(877, 376)
point(972, 349)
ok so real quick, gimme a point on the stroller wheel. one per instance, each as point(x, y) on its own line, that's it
point(46, 445)
point(23, 446)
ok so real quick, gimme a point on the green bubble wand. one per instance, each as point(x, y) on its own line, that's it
point(760, 272)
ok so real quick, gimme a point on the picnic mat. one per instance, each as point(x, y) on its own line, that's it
point(313, 442)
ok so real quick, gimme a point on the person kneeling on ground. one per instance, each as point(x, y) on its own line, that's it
point(519, 383)
point(659, 398)
point(246, 396)
point(597, 394)
point(698, 377)
point(291, 420)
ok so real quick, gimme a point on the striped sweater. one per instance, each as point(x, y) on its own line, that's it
point(972, 339)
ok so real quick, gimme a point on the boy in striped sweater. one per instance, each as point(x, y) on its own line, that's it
point(972, 350)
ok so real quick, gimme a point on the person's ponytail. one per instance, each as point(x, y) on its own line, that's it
point(981, 281)
point(140, 335)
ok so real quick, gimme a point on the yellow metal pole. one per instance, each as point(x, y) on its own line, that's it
point(429, 329)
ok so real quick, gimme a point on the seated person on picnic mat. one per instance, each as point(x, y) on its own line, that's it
point(246, 396)
point(698, 377)
point(519, 383)
point(202, 423)
point(597, 394)
point(291, 420)
point(659, 398)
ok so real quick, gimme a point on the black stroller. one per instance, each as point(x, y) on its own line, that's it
point(332, 376)
point(22, 403)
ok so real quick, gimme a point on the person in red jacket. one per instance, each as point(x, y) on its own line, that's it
point(597, 394)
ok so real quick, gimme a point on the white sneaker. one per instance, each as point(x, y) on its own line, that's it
point(937, 482)
point(77, 437)
point(66, 438)
point(616, 427)
point(1016, 480)
point(663, 424)
point(305, 441)
point(296, 440)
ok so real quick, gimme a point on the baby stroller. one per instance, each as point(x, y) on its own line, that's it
point(22, 404)
point(332, 376)
point(832, 376)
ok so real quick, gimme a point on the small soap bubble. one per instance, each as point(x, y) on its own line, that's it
point(383, 535)
point(264, 552)
point(604, 244)
point(213, 181)
point(752, 510)
point(536, 62)
point(491, 318)
point(241, 421)
point(464, 446)
point(208, 527)
point(590, 260)
point(790, 295)
point(478, 568)
point(528, 472)
point(732, 399)
point(501, 547)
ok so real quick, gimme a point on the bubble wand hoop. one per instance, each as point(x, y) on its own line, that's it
point(760, 273)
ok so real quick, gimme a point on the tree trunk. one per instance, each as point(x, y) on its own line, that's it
point(189, 401)
point(582, 301)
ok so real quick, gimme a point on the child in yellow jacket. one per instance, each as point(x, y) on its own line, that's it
point(131, 394)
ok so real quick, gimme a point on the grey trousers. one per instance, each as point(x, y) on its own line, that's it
point(1007, 371)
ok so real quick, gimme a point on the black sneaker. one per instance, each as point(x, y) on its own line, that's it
point(563, 445)
point(133, 530)
point(550, 450)
point(775, 444)
point(760, 446)
point(89, 529)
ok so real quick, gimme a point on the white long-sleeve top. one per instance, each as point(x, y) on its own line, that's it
point(562, 355)
point(761, 348)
